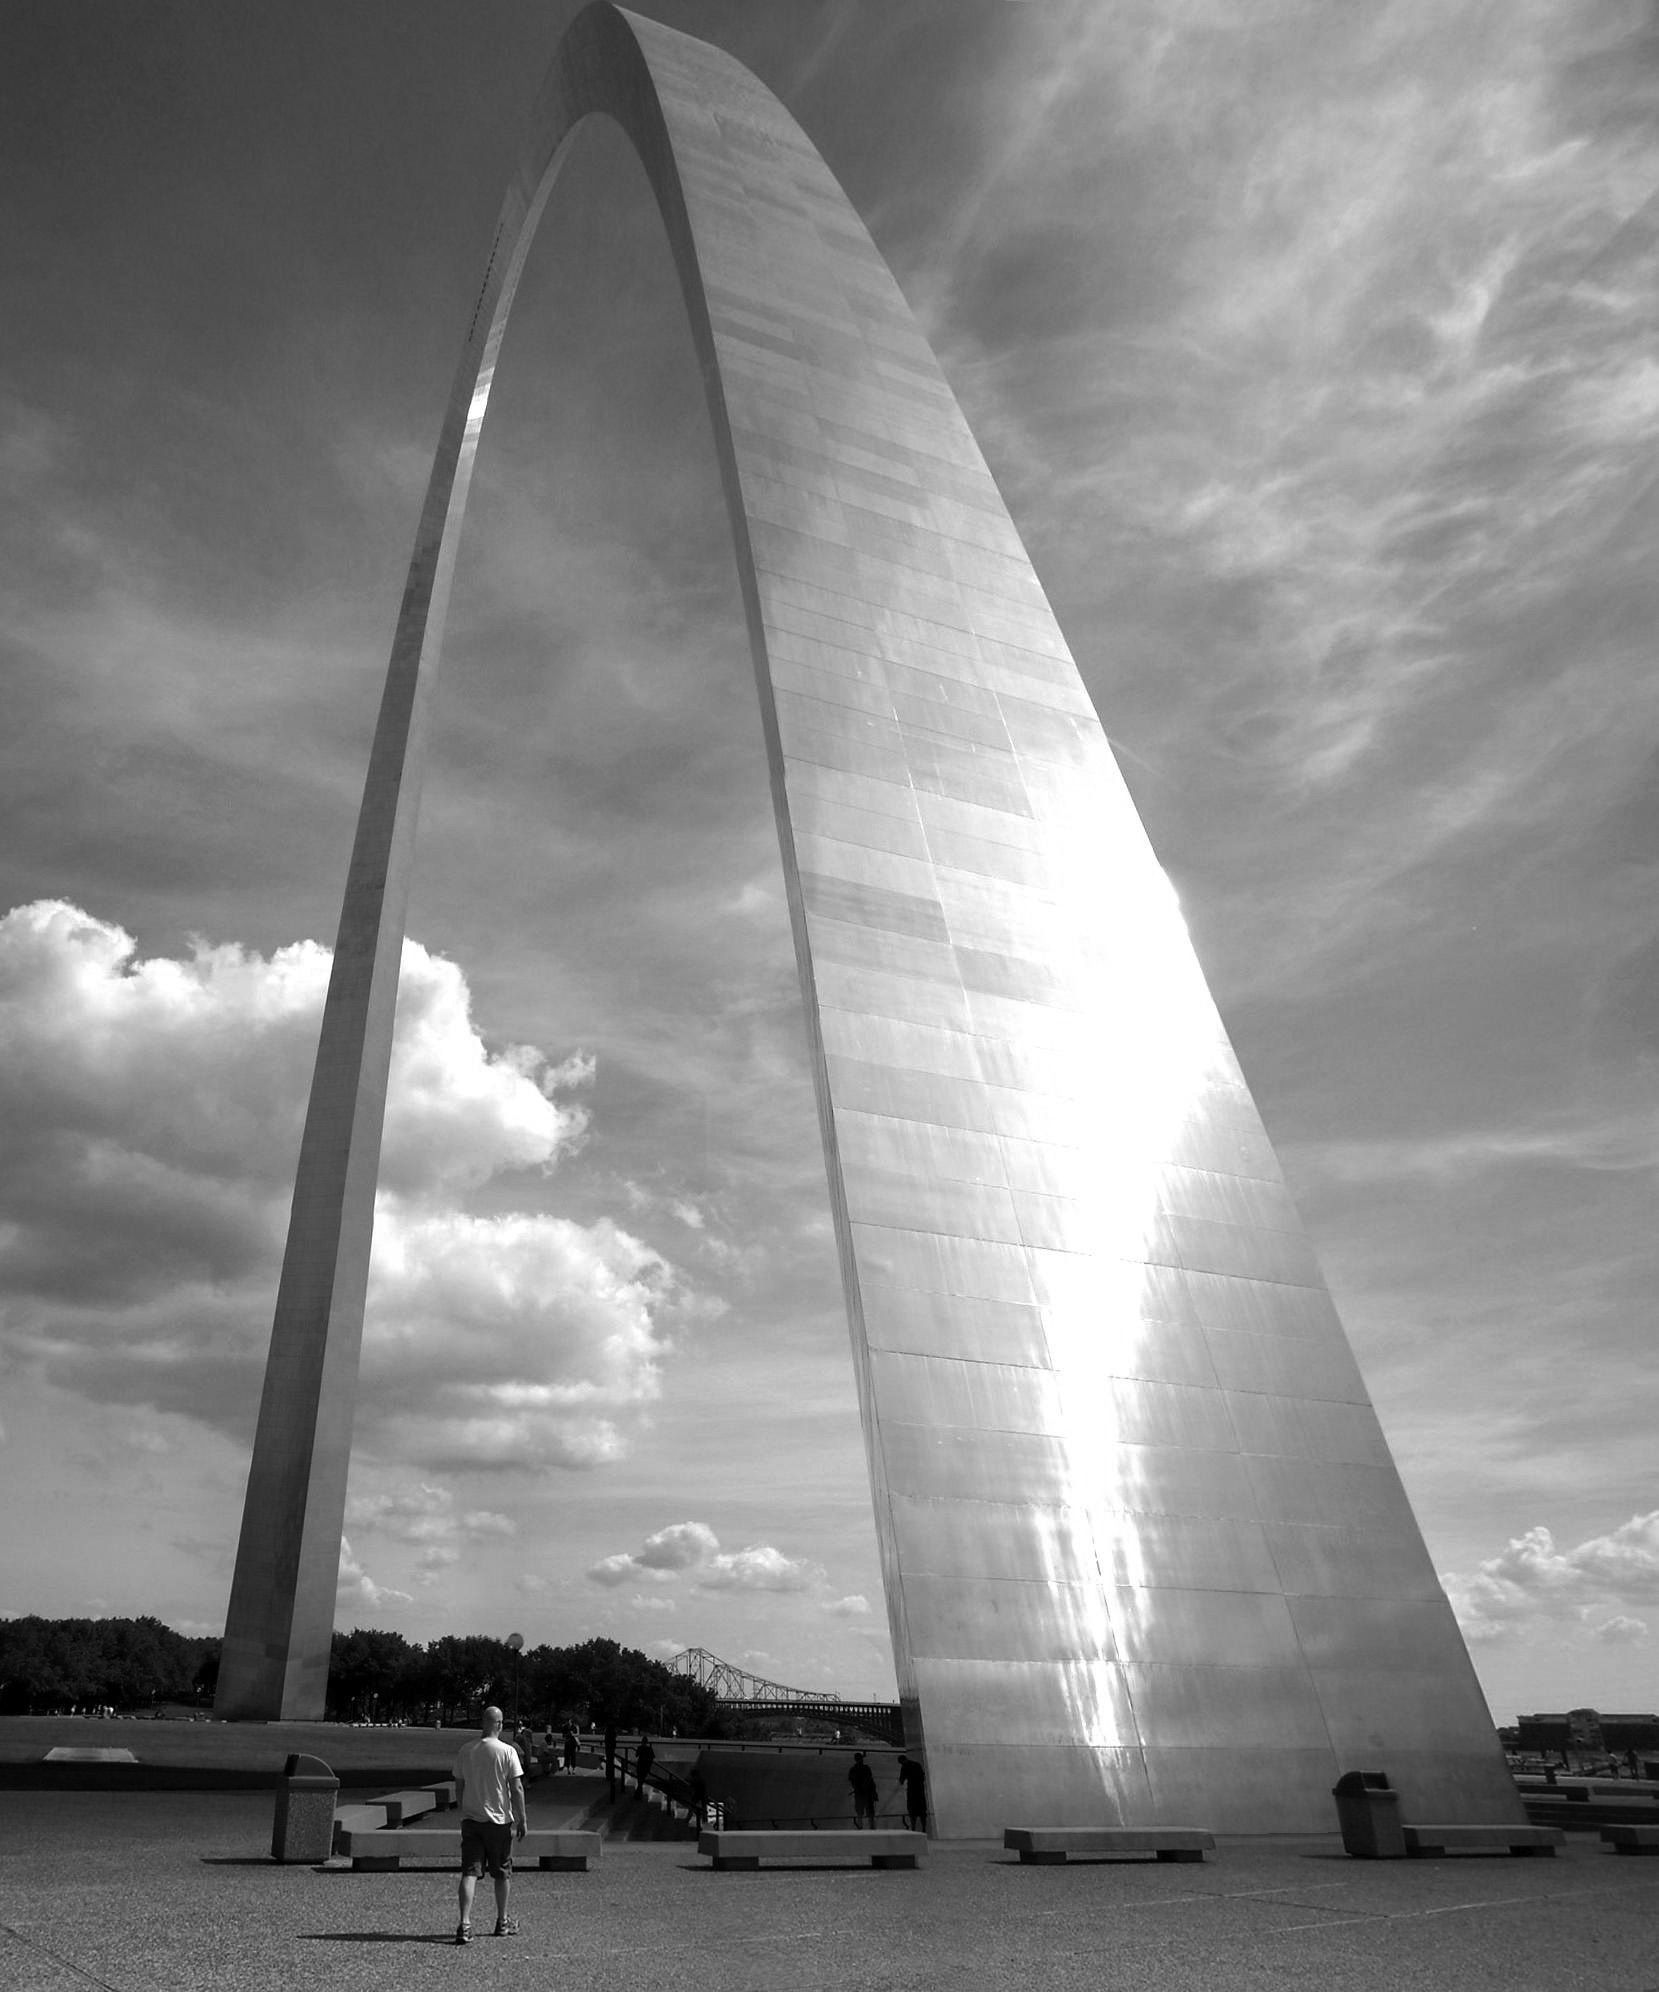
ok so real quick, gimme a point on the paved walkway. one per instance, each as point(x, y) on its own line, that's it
point(164, 1892)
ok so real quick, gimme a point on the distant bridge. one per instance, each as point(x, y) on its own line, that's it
point(744, 1693)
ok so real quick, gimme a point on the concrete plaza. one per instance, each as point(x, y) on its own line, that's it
point(170, 1891)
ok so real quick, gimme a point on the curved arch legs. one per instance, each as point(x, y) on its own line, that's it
point(1143, 1545)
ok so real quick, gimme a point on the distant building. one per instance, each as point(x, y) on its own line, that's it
point(1589, 1730)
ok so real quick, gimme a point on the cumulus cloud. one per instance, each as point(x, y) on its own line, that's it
point(154, 1109)
point(707, 1245)
point(614, 1570)
point(1620, 1631)
point(424, 1514)
point(856, 1606)
point(1627, 1560)
point(356, 1590)
point(681, 1546)
point(757, 1568)
point(1531, 1583)
point(495, 1341)
point(426, 1518)
point(692, 1549)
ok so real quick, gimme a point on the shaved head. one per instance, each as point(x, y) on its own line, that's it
point(492, 1722)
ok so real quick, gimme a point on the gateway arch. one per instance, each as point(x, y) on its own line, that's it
point(1146, 1554)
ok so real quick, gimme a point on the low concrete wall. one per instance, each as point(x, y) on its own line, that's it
point(754, 1786)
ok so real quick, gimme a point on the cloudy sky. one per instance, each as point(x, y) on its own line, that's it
point(1312, 347)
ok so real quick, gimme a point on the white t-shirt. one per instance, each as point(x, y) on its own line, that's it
point(489, 1769)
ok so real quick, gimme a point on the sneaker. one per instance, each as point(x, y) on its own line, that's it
point(505, 1928)
point(463, 1935)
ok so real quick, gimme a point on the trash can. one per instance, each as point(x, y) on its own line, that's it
point(1368, 1812)
point(303, 1829)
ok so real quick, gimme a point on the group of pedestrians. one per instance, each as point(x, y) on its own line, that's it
point(862, 1781)
point(568, 1744)
point(489, 1790)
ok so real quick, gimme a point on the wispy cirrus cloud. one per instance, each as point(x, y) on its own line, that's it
point(1365, 441)
point(1616, 1144)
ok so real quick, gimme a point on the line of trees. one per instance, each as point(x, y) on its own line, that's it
point(50, 1666)
point(381, 1676)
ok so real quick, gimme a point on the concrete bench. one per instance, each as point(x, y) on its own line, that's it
point(393, 1808)
point(732, 1848)
point(1424, 1842)
point(1050, 1846)
point(1632, 1839)
point(356, 1818)
point(402, 1806)
point(379, 1852)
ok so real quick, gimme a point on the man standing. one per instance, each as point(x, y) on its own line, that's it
point(863, 1782)
point(489, 1788)
point(524, 1742)
point(914, 1785)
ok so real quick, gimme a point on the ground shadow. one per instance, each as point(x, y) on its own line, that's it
point(1090, 1861)
point(341, 1865)
point(782, 1870)
point(375, 1937)
point(327, 1866)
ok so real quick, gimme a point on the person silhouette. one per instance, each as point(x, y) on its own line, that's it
point(863, 1782)
point(914, 1785)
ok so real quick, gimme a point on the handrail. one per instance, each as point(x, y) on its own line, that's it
point(675, 1789)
